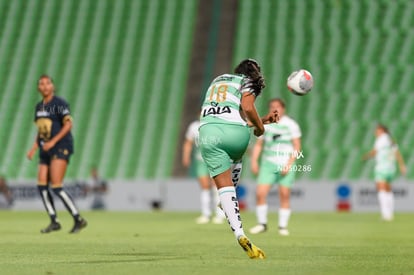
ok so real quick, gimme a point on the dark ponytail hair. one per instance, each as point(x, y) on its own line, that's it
point(251, 69)
point(385, 129)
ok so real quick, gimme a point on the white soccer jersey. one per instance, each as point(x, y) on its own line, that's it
point(277, 138)
point(223, 99)
point(385, 159)
point(192, 134)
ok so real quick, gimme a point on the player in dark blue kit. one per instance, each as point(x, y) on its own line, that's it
point(54, 122)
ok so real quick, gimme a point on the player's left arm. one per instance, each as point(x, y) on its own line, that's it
point(250, 112)
point(401, 163)
point(67, 126)
point(271, 117)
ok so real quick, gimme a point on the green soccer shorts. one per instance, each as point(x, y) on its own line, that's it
point(385, 176)
point(201, 169)
point(222, 144)
point(269, 173)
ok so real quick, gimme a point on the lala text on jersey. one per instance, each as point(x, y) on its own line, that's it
point(216, 110)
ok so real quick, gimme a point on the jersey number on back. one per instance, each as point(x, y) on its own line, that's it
point(220, 92)
point(217, 94)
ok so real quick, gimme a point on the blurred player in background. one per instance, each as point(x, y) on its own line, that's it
point(208, 190)
point(4, 189)
point(98, 187)
point(54, 123)
point(386, 155)
point(227, 112)
point(278, 147)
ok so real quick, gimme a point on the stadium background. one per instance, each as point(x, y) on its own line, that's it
point(134, 73)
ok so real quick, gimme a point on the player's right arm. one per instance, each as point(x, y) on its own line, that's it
point(187, 147)
point(247, 105)
point(257, 149)
point(369, 155)
point(32, 150)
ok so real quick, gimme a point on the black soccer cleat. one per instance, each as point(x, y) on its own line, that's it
point(79, 225)
point(53, 226)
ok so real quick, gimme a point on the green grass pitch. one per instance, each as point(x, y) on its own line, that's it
point(171, 243)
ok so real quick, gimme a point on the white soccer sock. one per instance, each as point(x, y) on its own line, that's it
point(284, 215)
point(390, 204)
point(261, 213)
point(205, 203)
point(219, 212)
point(382, 199)
point(48, 204)
point(230, 206)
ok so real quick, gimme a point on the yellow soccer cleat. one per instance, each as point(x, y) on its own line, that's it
point(252, 251)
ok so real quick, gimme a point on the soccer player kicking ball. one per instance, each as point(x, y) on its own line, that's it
point(227, 113)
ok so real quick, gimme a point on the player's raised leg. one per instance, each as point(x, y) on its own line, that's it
point(230, 206)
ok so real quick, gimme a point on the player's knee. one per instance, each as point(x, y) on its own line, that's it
point(261, 197)
point(284, 198)
point(262, 190)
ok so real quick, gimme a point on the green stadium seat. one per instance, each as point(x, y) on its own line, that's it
point(118, 63)
point(361, 55)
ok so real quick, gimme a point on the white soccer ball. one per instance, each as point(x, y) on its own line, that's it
point(300, 82)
